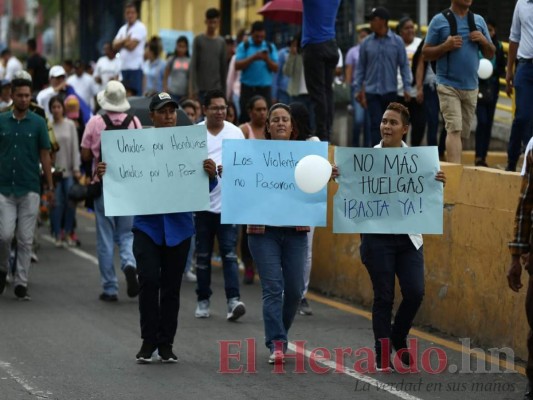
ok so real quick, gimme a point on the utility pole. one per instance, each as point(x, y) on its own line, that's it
point(422, 12)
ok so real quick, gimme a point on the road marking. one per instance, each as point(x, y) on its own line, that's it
point(365, 314)
point(78, 252)
point(379, 385)
point(420, 334)
point(17, 376)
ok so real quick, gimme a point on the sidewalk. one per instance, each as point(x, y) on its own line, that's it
point(501, 131)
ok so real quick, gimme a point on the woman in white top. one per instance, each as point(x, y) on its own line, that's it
point(387, 256)
point(67, 168)
point(406, 29)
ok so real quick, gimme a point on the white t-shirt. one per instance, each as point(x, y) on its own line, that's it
point(214, 152)
point(106, 69)
point(415, 238)
point(43, 98)
point(410, 50)
point(85, 87)
point(13, 66)
point(529, 147)
point(132, 59)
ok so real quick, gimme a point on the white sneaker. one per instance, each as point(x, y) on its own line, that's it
point(58, 242)
point(277, 357)
point(236, 309)
point(202, 309)
point(189, 276)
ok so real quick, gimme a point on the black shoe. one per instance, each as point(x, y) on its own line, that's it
point(131, 280)
point(480, 162)
point(381, 366)
point(144, 356)
point(22, 292)
point(3, 279)
point(511, 167)
point(166, 355)
point(108, 297)
point(401, 344)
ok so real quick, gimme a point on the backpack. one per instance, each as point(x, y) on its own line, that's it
point(109, 126)
point(450, 17)
point(94, 190)
point(270, 45)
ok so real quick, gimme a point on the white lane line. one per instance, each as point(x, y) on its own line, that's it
point(78, 252)
point(380, 386)
point(17, 376)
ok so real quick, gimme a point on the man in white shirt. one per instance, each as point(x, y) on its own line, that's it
point(11, 64)
point(107, 67)
point(130, 41)
point(83, 84)
point(59, 86)
point(208, 222)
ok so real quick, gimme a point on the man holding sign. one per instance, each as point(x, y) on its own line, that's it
point(389, 255)
point(161, 246)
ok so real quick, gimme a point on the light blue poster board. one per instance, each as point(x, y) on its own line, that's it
point(388, 191)
point(258, 185)
point(155, 170)
point(169, 37)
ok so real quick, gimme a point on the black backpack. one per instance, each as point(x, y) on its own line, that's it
point(270, 45)
point(109, 126)
point(450, 17)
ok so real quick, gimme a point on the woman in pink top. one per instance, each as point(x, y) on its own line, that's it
point(257, 110)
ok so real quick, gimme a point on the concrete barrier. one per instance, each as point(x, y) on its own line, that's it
point(466, 287)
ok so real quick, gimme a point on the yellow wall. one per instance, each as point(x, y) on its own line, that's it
point(189, 15)
point(245, 14)
point(466, 287)
point(183, 15)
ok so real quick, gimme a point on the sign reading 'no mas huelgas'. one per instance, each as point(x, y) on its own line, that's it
point(388, 191)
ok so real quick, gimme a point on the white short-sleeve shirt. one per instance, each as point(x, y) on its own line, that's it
point(132, 59)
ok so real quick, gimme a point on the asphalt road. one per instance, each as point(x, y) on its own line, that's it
point(66, 344)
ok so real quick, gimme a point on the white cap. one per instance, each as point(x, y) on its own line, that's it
point(57, 70)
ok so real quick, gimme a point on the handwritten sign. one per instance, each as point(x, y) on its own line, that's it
point(258, 184)
point(388, 191)
point(155, 170)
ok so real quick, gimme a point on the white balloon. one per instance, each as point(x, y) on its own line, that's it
point(312, 173)
point(485, 69)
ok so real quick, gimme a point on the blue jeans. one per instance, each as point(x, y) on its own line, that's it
point(63, 211)
point(280, 256)
point(432, 108)
point(207, 227)
point(133, 79)
point(386, 256)
point(485, 118)
point(111, 230)
point(522, 123)
point(192, 249)
point(376, 105)
point(361, 121)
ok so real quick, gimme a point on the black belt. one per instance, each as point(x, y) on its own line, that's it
point(525, 61)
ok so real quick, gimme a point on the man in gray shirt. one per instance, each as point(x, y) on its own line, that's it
point(208, 68)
